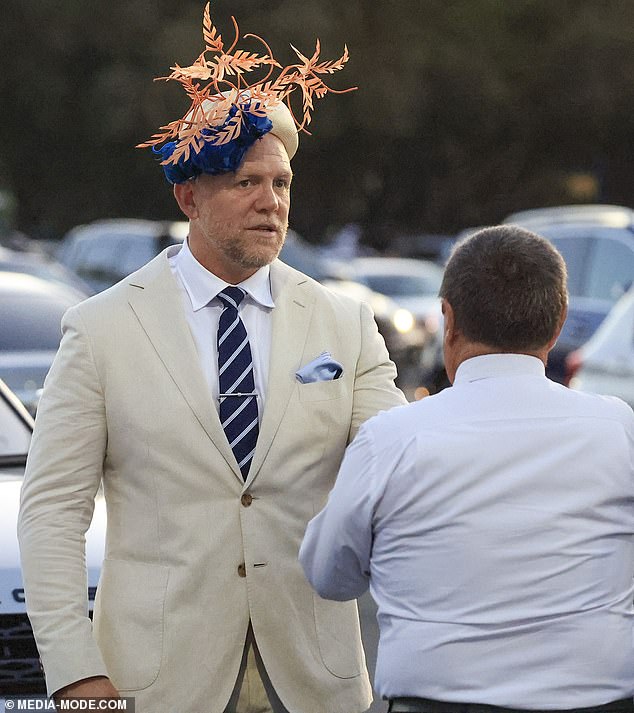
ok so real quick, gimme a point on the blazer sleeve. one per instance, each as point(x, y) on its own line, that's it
point(374, 388)
point(63, 474)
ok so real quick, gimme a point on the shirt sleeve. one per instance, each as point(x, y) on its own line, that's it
point(335, 553)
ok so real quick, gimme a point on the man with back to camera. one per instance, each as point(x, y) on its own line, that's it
point(493, 522)
point(213, 392)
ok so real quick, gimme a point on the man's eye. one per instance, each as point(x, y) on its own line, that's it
point(245, 183)
point(282, 183)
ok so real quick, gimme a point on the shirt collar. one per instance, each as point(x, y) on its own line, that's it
point(489, 366)
point(202, 286)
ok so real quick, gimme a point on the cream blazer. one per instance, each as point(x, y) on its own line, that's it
point(193, 553)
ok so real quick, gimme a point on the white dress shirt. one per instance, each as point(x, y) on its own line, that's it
point(203, 308)
point(494, 523)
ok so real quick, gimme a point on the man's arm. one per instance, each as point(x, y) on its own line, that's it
point(335, 553)
point(63, 474)
point(374, 388)
point(336, 550)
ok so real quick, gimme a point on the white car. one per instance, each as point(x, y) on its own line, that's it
point(605, 364)
point(20, 671)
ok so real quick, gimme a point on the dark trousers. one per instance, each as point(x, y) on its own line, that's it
point(427, 705)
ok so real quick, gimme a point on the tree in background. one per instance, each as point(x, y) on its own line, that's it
point(466, 109)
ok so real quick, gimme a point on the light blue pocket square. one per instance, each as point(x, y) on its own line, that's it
point(323, 368)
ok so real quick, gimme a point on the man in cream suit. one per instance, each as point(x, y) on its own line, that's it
point(202, 605)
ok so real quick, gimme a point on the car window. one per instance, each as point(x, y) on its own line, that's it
point(30, 322)
point(111, 256)
point(93, 253)
point(15, 435)
point(612, 270)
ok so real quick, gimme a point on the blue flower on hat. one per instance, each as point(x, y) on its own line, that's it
point(215, 158)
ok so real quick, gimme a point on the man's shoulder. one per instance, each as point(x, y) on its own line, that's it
point(106, 305)
point(398, 424)
point(454, 407)
point(539, 398)
point(583, 403)
point(156, 269)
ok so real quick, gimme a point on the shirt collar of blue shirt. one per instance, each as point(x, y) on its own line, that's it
point(488, 366)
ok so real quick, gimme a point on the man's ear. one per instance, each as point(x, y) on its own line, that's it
point(449, 322)
point(451, 343)
point(186, 198)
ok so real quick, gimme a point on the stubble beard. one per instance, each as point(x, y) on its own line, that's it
point(252, 256)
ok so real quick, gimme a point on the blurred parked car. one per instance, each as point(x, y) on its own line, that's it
point(597, 243)
point(106, 251)
point(403, 337)
point(41, 265)
point(605, 364)
point(20, 671)
point(304, 257)
point(412, 284)
point(31, 310)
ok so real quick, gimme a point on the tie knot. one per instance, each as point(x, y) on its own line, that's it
point(231, 296)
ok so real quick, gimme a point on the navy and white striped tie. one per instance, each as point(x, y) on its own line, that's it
point(238, 401)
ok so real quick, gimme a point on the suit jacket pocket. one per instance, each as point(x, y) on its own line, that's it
point(322, 390)
point(129, 621)
point(339, 637)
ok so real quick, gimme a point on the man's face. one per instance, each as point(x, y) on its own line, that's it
point(239, 220)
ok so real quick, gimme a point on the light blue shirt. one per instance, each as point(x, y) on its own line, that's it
point(494, 523)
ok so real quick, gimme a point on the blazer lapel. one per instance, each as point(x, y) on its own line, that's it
point(291, 319)
point(157, 303)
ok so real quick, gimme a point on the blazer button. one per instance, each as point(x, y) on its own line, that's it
point(242, 570)
point(246, 499)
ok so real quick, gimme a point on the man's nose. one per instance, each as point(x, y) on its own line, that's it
point(267, 199)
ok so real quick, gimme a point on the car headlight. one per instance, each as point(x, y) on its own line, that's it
point(403, 321)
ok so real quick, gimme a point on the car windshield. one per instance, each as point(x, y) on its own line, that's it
point(403, 285)
point(15, 433)
point(600, 261)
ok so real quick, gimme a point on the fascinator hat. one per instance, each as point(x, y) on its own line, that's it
point(227, 114)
